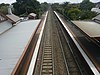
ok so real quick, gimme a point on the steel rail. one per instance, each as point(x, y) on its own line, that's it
point(71, 51)
point(63, 54)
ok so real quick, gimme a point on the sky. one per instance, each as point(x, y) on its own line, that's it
point(49, 1)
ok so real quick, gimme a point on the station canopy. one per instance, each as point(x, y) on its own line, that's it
point(13, 43)
point(92, 29)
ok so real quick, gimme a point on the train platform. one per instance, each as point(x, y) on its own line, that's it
point(88, 48)
point(13, 43)
point(50, 45)
point(91, 29)
point(54, 55)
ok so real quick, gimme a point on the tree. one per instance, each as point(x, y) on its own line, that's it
point(87, 15)
point(44, 6)
point(74, 13)
point(4, 8)
point(26, 6)
point(65, 7)
point(86, 5)
point(55, 6)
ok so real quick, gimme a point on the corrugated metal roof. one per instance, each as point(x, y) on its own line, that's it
point(12, 44)
point(5, 26)
point(92, 29)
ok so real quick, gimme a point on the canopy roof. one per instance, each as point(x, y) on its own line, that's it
point(92, 29)
point(13, 43)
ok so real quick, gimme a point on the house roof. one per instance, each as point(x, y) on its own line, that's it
point(13, 18)
point(32, 14)
point(95, 10)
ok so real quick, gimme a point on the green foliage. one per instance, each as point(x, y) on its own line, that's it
point(56, 6)
point(3, 8)
point(26, 6)
point(87, 15)
point(74, 13)
point(44, 6)
point(86, 5)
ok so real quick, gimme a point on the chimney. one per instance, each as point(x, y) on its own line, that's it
point(9, 9)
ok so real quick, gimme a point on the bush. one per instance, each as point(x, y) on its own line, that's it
point(74, 13)
point(87, 15)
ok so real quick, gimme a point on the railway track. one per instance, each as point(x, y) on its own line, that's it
point(47, 57)
point(71, 63)
point(56, 56)
point(84, 41)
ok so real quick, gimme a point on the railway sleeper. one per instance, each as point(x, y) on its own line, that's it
point(45, 64)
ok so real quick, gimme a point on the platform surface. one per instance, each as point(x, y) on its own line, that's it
point(13, 43)
point(92, 29)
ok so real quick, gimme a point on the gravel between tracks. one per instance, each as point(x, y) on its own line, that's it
point(59, 66)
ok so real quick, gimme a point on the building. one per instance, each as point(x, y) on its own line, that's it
point(96, 8)
point(32, 16)
point(98, 5)
point(14, 40)
point(13, 44)
point(13, 18)
point(97, 18)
